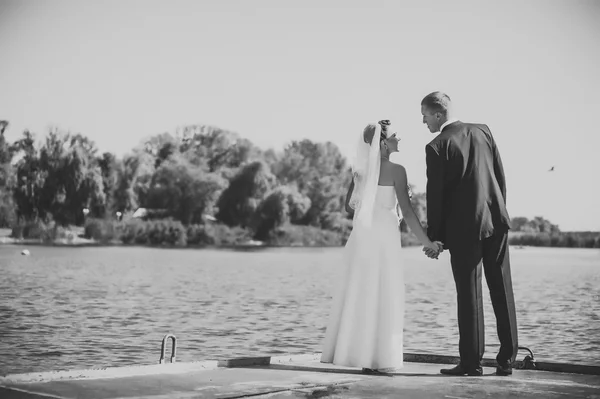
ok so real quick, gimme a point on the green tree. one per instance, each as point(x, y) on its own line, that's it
point(186, 191)
point(537, 225)
point(5, 148)
point(246, 190)
point(326, 194)
point(544, 226)
point(73, 179)
point(518, 223)
point(160, 147)
point(7, 205)
point(134, 177)
point(29, 179)
point(315, 168)
point(109, 170)
point(216, 149)
point(283, 205)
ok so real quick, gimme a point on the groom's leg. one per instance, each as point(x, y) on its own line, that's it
point(466, 267)
point(496, 264)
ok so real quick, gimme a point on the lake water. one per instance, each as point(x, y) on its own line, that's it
point(71, 308)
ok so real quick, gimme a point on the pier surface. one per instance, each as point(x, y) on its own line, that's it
point(298, 376)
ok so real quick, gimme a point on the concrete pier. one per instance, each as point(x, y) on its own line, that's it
point(300, 376)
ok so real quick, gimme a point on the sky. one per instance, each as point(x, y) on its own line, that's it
point(276, 71)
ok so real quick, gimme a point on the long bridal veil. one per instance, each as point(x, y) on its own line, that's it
point(365, 172)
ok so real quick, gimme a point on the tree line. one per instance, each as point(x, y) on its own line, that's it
point(202, 180)
point(198, 174)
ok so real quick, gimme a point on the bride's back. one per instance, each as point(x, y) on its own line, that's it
point(386, 173)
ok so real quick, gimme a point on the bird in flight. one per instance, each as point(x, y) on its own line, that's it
point(551, 169)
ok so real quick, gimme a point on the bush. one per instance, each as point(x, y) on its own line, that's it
point(225, 235)
point(7, 212)
point(198, 234)
point(103, 230)
point(339, 223)
point(154, 232)
point(135, 232)
point(60, 233)
point(217, 234)
point(167, 232)
point(32, 230)
point(568, 240)
point(37, 230)
point(557, 240)
point(295, 235)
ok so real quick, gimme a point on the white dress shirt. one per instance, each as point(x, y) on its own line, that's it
point(449, 121)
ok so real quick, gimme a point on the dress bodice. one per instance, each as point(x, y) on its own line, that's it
point(386, 197)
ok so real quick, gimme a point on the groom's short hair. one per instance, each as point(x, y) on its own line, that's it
point(437, 102)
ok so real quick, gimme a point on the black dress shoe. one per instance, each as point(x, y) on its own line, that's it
point(504, 370)
point(373, 371)
point(460, 370)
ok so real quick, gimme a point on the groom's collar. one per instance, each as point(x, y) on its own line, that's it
point(448, 122)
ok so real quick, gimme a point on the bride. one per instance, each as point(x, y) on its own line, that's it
point(367, 316)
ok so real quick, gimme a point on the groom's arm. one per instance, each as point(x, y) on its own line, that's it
point(498, 168)
point(435, 191)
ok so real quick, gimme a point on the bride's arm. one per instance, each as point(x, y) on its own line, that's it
point(348, 196)
point(400, 185)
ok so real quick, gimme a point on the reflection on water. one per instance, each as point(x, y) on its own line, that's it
point(66, 308)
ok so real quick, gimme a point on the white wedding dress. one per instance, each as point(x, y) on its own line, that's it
point(367, 317)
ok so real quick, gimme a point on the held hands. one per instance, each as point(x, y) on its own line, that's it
point(434, 249)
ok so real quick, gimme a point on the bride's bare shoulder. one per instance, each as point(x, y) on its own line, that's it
point(398, 168)
point(399, 172)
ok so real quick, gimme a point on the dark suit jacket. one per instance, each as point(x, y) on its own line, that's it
point(466, 190)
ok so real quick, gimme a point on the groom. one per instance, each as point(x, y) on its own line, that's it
point(466, 210)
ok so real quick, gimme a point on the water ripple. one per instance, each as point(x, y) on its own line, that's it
point(65, 308)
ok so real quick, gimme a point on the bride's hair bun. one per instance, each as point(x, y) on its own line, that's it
point(385, 123)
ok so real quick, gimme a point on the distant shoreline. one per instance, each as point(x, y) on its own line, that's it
point(87, 243)
point(517, 240)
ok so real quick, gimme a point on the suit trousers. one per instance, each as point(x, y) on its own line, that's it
point(466, 263)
